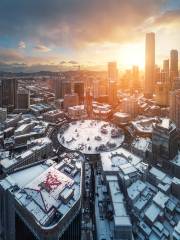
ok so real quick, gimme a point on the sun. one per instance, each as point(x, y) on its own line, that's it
point(131, 54)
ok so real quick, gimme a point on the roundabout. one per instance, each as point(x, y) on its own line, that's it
point(90, 136)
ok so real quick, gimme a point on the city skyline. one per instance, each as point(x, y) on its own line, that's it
point(63, 35)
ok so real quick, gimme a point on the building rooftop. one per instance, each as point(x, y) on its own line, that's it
point(144, 125)
point(141, 144)
point(165, 124)
point(36, 145)
point(152, 212)
point(160, 199)
point(47, 191)
point(120, 160)
point(121, 217)
point(136, 189)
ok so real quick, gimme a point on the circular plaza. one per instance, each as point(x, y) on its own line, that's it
point(90, 136)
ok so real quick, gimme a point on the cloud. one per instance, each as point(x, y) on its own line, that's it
point(42, 48)
point(75, 23)
point(63, 62)
point(10, 55)
point(167, 18)
point(73, 62)
point(22, 45)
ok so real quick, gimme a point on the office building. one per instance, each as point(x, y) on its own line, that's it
point(112, 72)
point(8, 93)
point(112, 82)
point(23, 99)
point(96, 89)
point(166, 65)
point(161, 93)
point(174, 107)
point(62, 87)
point(176, 84)
point(135, 78)
point(3, 114)
point(113, 93)
point(149, 65)
point(79, 89)
point(130, 105)
point(71, 100)
point(42, 201)
point(173, 65)
point(164, 141)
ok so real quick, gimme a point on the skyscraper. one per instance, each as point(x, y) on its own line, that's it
point(166, 65)
point(112, 82)
point(165, 71)
point(8, 93)
point(79, 88)
point(150, 65)
point(112, 72)
point(173, 65)
point(164, 141)
point(174, 107)
point(62, 87)
point(135, 78)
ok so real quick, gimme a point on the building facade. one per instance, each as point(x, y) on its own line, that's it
point(150, 65)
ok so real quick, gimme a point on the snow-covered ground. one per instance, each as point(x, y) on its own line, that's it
point(91, 136)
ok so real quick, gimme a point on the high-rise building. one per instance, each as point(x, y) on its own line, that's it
point(42, 201)
point(135, 78)
point(88, 102)
point(71, 100)
point(79, 88)
point(112, 93)
point(173, 65)
point(112, 72)
point(157, 75)
point(161, 93)
point(174, 107)
point(130, 105)
point(96, 89)
point(62, 87)
point(3, 114)
point(58, 88)
point(8, 93)
point(23, 99)
point(112, 82)
point(150, 65)
point(176, 84)
point(166, 66)
point(164, 141)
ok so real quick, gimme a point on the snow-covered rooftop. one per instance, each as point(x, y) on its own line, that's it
point(144, 125)
point(120, 160)
point(47, 191)
point(141, 144)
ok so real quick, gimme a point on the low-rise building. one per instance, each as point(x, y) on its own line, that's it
point(77, 112)
point(38, 149)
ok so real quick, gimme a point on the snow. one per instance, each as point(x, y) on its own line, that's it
point(87, 136)
point(157, 173)
point(152, 212)
point(161, 199)
point(135, 189)
point(120, 159)
point(44, 189)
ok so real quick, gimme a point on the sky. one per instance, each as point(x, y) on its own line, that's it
point(63, 34)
